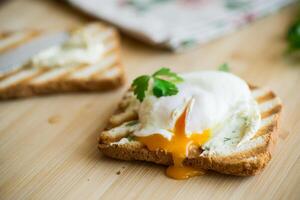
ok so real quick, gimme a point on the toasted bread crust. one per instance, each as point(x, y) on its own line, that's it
point(244, 163)
point(63, 84)
point(28, 90)
point(221, 165)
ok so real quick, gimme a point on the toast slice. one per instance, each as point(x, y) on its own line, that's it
point(107, 73)
point(244, 160)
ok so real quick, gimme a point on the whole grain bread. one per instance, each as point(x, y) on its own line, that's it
point(106, 74)
point(115, 141)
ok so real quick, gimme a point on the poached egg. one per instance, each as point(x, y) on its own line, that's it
point(205, 104)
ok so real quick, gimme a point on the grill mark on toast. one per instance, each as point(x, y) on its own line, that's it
point(8, 74)
point(268, 96)
point(112, 37)
point(107, 55)
point(43, 77)
point(14, 44)
point(74, 69)
point(21, 75)
point(111, 72)
point(4, 35)
point(122, 117)
point(263, 130)
point(23, 80)
point(268, 105)
point(70, 71)
point(110, 49)
point(27, 80)
point(252, 87)
point(102, 71)
point(270, 112)
point(256, 93)
point(265, 125)
point(264, 98)
point(65, 72)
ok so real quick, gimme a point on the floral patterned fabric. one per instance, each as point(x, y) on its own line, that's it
point(178, 24)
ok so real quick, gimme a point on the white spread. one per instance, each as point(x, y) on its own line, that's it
point(83, 47)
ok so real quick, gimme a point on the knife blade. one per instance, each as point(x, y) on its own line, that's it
point(16, 57)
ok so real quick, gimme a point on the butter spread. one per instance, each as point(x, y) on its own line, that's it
point(83, 47)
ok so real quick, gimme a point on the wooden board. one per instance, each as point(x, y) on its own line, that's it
point(48, 144)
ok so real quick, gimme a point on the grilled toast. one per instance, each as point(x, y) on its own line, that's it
point(247, 159)
point(107, 73)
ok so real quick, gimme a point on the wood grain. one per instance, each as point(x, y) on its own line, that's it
point(48, 144)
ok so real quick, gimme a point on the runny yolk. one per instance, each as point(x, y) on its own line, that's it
point(178, 147)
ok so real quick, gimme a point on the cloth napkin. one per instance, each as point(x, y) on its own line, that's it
point(178, 24)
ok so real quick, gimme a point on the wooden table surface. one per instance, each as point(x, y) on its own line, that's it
point(48, 144)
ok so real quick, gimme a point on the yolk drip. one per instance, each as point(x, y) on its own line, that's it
point(178, 147)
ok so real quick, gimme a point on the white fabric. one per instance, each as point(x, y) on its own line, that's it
point(178, 24)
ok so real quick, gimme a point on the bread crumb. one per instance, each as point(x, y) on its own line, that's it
point(118, 172)
point(283, 134)
point(54, 119)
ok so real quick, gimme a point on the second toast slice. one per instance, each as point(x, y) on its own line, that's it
point(105, 74)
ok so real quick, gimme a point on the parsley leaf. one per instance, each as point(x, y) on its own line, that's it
point(131, 138)
point(224, 67)
point(293, 37)
point(132, 123)
point(164, 88)
point(164, 84)
point(140, 86)
point(167, 73)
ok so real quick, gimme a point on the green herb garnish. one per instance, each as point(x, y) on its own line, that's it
point(224, 67)
point(164, 84)
point(188, 43)
point(167, 73)
point(293, 37)
point(131, 138)
point(226, 139)
point(131, 123)
point(140, 86)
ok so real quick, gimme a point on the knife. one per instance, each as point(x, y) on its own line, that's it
point(17, 56)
